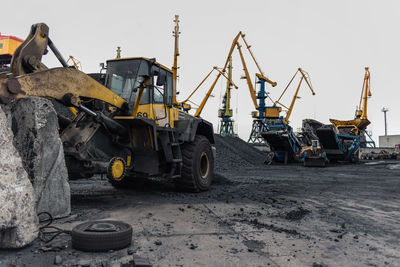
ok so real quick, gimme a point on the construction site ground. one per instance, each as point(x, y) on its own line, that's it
point(254, 215)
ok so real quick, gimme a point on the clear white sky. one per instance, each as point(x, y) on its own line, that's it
point(332, 40)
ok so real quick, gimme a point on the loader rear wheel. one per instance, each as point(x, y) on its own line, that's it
point(198, 166)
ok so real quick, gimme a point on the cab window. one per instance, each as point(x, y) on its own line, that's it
point(123, 78)
point(169, 89)
point(159, 85)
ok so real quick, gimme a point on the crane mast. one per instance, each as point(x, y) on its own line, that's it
point(176, 33)
point(226, 128)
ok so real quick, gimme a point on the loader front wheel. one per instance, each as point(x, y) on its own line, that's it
point(197, 166)
point(116, 172)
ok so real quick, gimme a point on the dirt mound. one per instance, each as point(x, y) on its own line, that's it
point(296, 215)
point(235, 154)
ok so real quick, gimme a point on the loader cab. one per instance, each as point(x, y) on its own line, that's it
point(124, 76)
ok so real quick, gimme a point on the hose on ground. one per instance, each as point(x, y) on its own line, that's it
point(47, 232)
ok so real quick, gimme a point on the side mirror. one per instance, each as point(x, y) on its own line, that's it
point(102, 66)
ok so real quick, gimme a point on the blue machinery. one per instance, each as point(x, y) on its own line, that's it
point(274, 128)
point(342, 140)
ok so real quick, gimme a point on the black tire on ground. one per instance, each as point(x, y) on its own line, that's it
point(96, 241)
point(198, 166)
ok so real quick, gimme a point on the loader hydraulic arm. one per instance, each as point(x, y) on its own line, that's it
point(30, 77)
point(66, 85)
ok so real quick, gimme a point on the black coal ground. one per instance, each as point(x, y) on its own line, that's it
point(254, 215)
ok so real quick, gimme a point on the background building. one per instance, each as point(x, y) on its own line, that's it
point(389, 140)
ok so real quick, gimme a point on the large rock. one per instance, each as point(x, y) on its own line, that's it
point(35, 127)
point(18, 219)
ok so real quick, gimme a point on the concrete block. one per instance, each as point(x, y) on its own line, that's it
point(36, 137)
point(18, 219)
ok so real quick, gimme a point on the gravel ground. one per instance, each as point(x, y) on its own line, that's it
point(254, 215)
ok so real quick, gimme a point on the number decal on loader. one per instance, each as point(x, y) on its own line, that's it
point(142, 114)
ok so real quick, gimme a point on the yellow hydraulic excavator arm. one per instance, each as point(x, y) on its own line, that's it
point(29, 77)
point(306, 78)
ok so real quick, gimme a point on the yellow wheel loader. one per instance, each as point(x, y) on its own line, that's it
point(124, 122)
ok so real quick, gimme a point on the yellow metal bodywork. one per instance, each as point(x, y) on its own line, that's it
point(356, 125)
point(161, 114)
point(8, 46)
point(269, 112)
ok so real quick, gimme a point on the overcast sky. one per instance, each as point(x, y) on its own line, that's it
point(332, 40)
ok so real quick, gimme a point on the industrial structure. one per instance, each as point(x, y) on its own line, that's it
point(8, 45)
point(261, 110)
point(389, 140)
point(276, 130)
point(342, 139)
point(225, 113)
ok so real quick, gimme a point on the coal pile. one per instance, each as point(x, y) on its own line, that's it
point(234, 154)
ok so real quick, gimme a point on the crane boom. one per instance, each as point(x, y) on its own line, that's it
point(305, 77)
point(249, 83)
point(365, 93)
point(203, 103)
point(235, 43)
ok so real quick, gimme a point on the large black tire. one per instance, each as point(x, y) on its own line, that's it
point(97, 241)
point(198, 166)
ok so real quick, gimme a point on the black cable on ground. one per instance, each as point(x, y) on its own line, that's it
point(47, 232)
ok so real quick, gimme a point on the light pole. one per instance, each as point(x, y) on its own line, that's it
point(384, 110)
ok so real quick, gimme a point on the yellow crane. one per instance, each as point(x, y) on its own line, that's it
point(225, 113)
point(365, 93)
point(360, 122)
point(306, 78)
point(252, 91)
point(200, 108)
point(76, 63)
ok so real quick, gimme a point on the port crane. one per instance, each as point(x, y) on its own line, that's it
point(75, 62)
point(225, 113)
point(261, 110)
point(343, 138)
point(184, 104)
point(276, 129)
point(304, 77)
